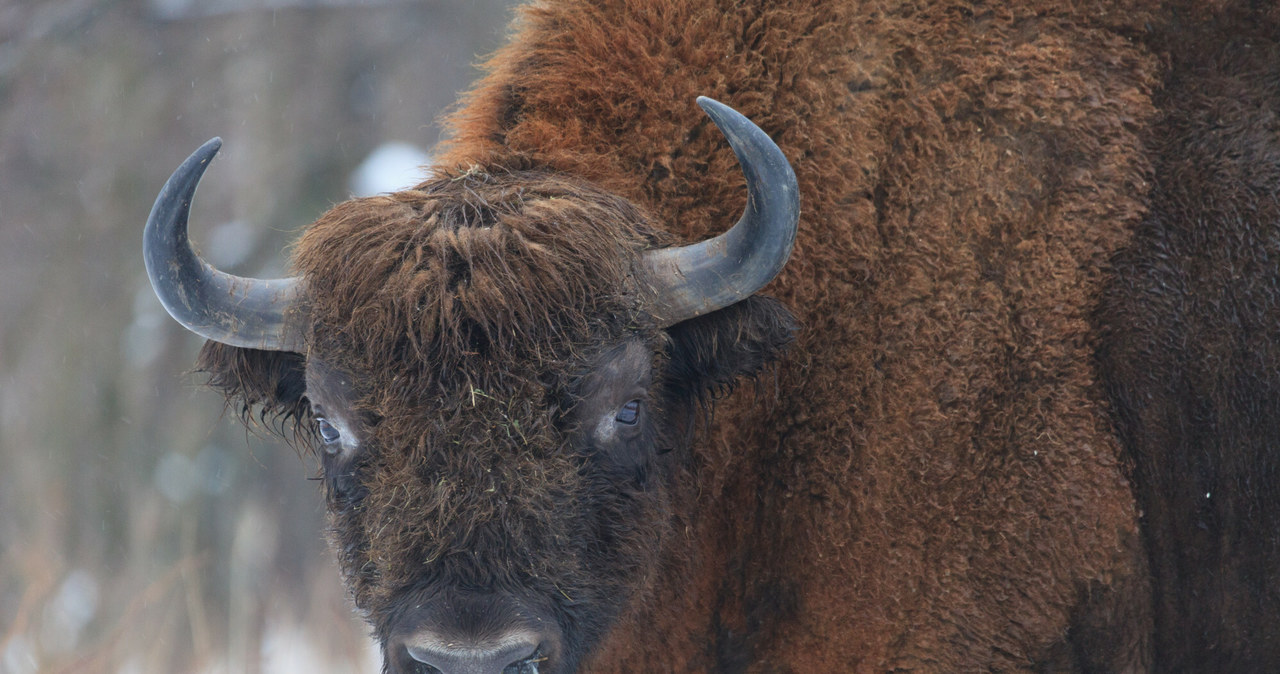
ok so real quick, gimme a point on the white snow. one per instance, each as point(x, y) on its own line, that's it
point(390, 167)
point(70, 611)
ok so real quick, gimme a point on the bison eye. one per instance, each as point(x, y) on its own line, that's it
point(328, 433)
point(629, 414)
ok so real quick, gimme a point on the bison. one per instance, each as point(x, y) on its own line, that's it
point(567, 422)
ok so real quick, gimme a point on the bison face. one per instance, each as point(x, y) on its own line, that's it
point(509, 526)
point(499, 370)
point(510, 529)
point(502, 529)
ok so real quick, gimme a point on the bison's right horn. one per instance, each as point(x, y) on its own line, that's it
point(700, 278)
point(245, 312)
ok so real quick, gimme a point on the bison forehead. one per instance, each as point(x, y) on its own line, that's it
point(477, 264)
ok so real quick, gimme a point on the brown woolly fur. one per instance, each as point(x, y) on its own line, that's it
point(928, 480)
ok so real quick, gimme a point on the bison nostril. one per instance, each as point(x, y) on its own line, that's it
point(520, 657)
point(528, 665)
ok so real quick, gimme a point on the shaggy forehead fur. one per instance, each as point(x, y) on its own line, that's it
point(464, 309)
point(468, 266)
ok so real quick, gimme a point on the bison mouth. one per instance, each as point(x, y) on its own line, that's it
point(480, 662)
point(517, 655)
point(455, 632)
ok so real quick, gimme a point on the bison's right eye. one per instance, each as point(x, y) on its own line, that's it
point(328, 433)
point(629, 414)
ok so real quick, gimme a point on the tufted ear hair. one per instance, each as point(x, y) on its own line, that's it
point(265, 388)
point(710, 353)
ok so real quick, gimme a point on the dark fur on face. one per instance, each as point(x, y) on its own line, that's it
point(468, 312)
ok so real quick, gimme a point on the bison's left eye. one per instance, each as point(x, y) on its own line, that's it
point(629, 414)
point(328, 433)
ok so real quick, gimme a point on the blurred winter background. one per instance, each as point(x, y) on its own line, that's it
point(140, 530)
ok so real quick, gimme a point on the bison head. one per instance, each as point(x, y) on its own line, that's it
point(499, 371)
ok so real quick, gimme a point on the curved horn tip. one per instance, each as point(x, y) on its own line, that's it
point(715, 108)
point(698, 278)
point(242, 312)
point(189, 173)
point(751, 144)
point(211, 146)
point(206, 152)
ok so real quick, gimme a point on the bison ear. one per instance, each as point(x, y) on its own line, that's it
point(711, 352)
point(266, 388)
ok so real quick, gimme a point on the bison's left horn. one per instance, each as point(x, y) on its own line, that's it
point(246, 312)
point(700, 278)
